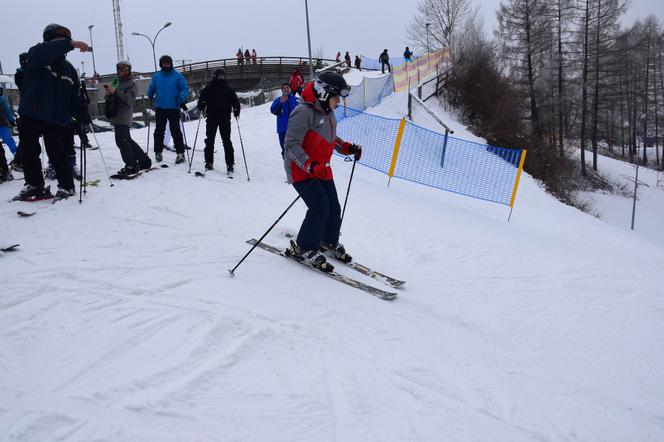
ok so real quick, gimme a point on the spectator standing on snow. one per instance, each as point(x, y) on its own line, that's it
point(384, 59)
point(296, 81)
point(310, 141)
point(171, 91)
point(6, 119)
point(408, 55)
point(338, 57)
point(347, 59)
point(122, 94)
point(218, 100)
point(48, 100)
point(358, 63)
point(282, 108)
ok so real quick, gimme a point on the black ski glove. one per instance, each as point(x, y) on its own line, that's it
point(355, 150)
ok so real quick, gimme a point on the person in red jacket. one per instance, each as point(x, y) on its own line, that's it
point(310, 141)
point(296, 81)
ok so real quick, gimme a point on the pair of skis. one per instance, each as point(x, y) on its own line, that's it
point(379, 293)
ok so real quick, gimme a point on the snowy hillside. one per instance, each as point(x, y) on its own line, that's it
point(120, 321)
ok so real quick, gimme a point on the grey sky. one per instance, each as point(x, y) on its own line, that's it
point(211, 29)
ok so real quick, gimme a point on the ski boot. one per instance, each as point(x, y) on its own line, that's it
point(209, 165)
point(128, 171)
point(33, 193)
point(62, 194)
point(15, 165)
point(338, 251)
point(158, 157)
point(312, 258)
point(145, 166)
point(179, 158)
point(6, 176)
point(229, 171)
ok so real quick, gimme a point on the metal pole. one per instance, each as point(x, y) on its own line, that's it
point(94, 66)
point(311, 65)
point(246, 168)
point(636, 185)
point(193, 151)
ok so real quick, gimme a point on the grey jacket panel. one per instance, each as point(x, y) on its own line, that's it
point(307, 117)
point(299, 123)
point(125, 93)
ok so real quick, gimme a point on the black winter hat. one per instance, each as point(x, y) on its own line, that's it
point(165, 59)
point(54, 30)
point(23, 58)
point(219, 74)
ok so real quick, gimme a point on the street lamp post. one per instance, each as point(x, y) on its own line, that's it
point(311, 64)
point(428, 50)
point(153, 41)
point(92, 48)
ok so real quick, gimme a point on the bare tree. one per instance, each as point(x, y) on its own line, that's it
point(446, 19)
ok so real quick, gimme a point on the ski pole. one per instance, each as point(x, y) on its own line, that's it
point(80, 187)
point(102, 155)
point(242, 145)
point(347, 192)
point(193, 151)
point(186, 145)
point(264, 235)
point(147, 151)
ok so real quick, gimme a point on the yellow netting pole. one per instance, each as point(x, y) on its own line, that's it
point(397, 144)
point(516, 182)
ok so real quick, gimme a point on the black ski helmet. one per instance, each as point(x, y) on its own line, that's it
point(165, 59)
point(23, 59)
point(54, 30)
point(328, 84)
point(123, 63)
point(219, 74)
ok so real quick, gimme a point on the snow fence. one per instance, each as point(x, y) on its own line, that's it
point(404, 150)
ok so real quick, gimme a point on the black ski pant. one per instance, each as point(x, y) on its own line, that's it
point(131, 152)
point(68, 141)
point(4, 168)
point(323, 219)
point(172, 116)
point(224, 126)
point(31, 130)
point(382, 67)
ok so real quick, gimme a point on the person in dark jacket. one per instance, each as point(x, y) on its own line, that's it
point(408, 55)
point(123, 91)
point(172, 91)
point(18, 79)
point(217, 100)
point(347, 59)
point(247, 55)
point(358, 63)
point(310, 141)
point(384, 59)
point(49, 96)
point(282, 108)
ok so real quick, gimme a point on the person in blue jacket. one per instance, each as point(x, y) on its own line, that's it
point(6, 119)
point(171, 90)
point(49, 96)
point(282, 108)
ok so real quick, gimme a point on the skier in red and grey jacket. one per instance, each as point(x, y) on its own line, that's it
point(310, 141)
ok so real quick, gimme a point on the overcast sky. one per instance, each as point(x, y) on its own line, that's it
point(213, 29)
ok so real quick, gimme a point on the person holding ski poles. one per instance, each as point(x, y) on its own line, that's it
point(171, 90)
point(218, 100)
point(310, 141)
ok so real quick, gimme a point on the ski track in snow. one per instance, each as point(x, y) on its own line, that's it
point(120, 321)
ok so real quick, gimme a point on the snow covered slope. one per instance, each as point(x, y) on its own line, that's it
point(119, 321)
